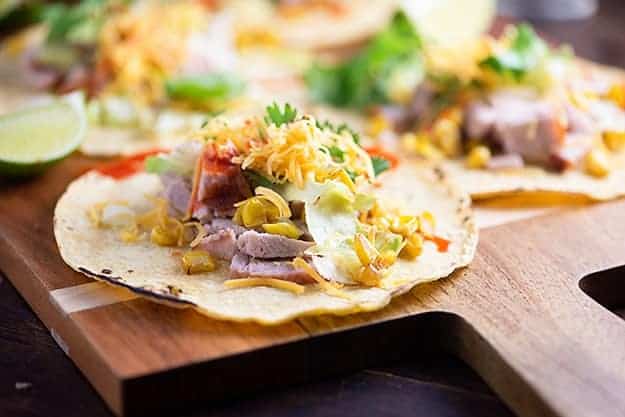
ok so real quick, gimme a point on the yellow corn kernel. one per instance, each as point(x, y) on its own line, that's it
point(364, 249)
point(386, 259)
point(197, 261)
point(616, 93)
point(478, 157)
point(377, 124)
point(420, 145)
point(446, 134)
point(370, 275)
point(253, 213)
point(597, 163)
point(413, 247)
point(163, 236)
point(613, 140)
point(283, 229)
point(405, 225)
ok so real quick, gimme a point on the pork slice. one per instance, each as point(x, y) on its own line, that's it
point(243, 266)
point(531, 129)
point(266, 246)
point(177, 191)
point(218, 224)
point(579, 121)
point(221, 245)
point(509, 161)
point(218, 185)
point(479, 120)
point(570, 155)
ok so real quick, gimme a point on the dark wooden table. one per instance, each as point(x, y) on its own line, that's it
point(37, 379)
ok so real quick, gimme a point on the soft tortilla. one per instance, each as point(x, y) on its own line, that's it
point(484, 184)
point(155, 272)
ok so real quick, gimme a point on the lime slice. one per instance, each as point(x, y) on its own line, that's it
point(33, 139)
point(451, 22)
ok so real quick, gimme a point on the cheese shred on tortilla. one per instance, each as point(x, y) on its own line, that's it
point(265, 282)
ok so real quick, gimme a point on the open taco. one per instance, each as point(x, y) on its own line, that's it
point(152, 70)
point(503, 116)
point(266, 219)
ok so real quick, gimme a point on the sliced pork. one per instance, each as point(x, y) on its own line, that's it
point(509, 161)
point(267, 246)
point(221, 245)
point(536, 130)
point(177, 191)
point(243, 266)
point(218, 185)
point(219, 224)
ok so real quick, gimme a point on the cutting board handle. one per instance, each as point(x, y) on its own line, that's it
point(547, 351)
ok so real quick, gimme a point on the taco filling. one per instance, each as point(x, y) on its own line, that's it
point(519, 103)
point(281, 202)
point(281, 198)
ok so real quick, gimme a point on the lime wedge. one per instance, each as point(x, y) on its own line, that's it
point(34, 138)
point(451, 22)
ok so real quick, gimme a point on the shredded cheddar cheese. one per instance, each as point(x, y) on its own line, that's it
point(265, 282)
point(144, 44)
point(331, 288)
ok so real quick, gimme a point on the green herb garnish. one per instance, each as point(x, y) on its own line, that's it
point(343, 127)
point(526, 51)
point(279, 117)
point(380, 165)
point(392, 58)
point(257, 180)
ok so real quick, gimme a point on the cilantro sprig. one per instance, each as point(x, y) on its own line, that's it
point(340, 129)
point(394, 56)
point(526, 51)
point(278, 116)
point(380, 165)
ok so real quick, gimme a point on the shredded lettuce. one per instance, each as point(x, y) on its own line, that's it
point(205, 88)
point(180, 161)
point(392, 59)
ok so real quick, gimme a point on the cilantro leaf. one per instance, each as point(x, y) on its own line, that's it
point(392, 58)
point(279, 117)
point(337, 154)
point(343, 127)
point(525, 53)
point(207, 87)
point(380, 165)
point(257, 180)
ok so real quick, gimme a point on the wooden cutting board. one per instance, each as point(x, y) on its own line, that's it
point(517, 315)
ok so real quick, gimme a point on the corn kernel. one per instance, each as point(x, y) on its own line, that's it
point(283, 229)
point(253, 213)
point(446, 135)
point(386, 259)
point(597, 163)
point(197, 261)
point(413, 247)
point(478, 157)
point(364, 249)
point(617, 94)
point(164, 236)
point(614, 141)
point(377, 124)
point(370, 275)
